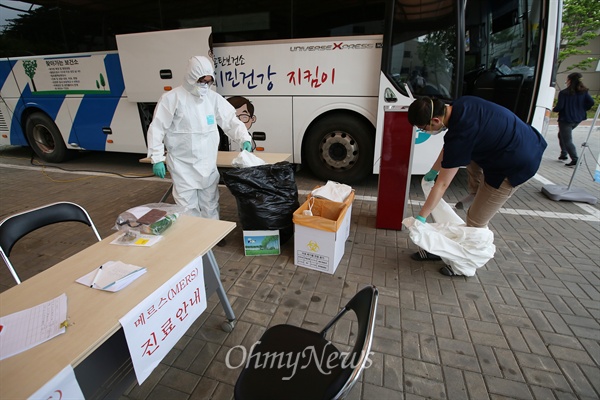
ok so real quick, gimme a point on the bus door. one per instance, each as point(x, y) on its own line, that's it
point(486, 48)
point(505, 60)
point(154, 61)
point(420, 58)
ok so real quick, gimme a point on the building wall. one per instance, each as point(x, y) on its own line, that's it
point(591, 77)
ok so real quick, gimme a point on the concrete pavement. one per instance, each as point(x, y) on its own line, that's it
point(527, 326)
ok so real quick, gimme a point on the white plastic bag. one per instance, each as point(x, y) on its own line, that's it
point(247, 159)
point(463, 248)
point(443, 212)
point(333, 191)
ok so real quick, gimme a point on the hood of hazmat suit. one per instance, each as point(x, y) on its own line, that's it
point(198, 66)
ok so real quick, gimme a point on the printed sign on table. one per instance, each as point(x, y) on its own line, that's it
point(154, 326)
point(63, 386)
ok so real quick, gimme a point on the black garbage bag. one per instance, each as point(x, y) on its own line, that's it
point(267, 197)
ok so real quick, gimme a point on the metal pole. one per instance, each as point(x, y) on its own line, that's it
point(584, 145)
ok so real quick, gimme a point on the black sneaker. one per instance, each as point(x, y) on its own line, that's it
point(572, 163)
point(447, 270)
point(423, 255)
point(563, 158)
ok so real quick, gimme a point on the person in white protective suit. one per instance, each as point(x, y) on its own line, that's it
point(185, 124)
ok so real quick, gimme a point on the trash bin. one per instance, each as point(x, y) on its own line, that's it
point(319, 239)
point(266, 196)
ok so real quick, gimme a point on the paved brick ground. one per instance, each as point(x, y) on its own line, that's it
point(527, 326)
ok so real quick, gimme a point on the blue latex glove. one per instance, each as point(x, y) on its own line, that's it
point(247, 146)
point(430, 176)
point(422, 219)
point(159, 169)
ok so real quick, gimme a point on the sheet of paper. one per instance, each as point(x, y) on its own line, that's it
point(136, 239)
point(157, 323)
point(63, 386)
point(139, 211)
point(25, 329)
point(112, 276)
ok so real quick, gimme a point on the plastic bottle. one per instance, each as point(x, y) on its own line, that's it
point(158, 227)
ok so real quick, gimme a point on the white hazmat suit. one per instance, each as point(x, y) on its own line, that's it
point(185, 123)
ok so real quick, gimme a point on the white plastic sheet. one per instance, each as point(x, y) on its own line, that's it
point(333, 191)
point(463, 248)
point(247, 159)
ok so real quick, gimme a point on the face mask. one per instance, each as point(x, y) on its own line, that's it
point(201, 89)
point(443, 128)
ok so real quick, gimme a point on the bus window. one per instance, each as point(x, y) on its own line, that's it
point(424, 48)
point(503, 53)
point(317, 18)
point(72, 28)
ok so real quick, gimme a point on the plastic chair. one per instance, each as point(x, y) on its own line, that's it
point(290, 362)
point(16, 226)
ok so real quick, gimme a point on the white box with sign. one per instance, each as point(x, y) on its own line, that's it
point(319, 240)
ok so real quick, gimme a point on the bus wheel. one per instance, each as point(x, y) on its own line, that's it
point(340, 149)
point(45, 138)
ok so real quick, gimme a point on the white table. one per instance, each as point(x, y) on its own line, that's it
point(94, 315)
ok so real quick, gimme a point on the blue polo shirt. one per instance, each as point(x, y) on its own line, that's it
point(495, 138)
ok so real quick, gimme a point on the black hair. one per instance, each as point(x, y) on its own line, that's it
point(576, 84)
point(419, 112)
point(238, 101)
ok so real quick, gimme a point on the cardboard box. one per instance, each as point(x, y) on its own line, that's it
point(346, 223)
point(319, 240)
point(261, 243)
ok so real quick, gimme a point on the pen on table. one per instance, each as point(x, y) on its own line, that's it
point(121, 279)
point(96, 276)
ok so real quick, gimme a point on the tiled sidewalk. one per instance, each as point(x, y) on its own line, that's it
point(527, 326)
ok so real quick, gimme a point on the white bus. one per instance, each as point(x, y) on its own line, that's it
point(314, 75)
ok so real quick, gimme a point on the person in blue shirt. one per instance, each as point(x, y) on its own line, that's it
point(573, 103)
point(500, 151)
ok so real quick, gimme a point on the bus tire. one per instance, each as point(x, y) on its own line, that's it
point(45, 138)
point(340, 148)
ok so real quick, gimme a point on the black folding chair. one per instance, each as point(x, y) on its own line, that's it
point(16, 226)
point(290, 362)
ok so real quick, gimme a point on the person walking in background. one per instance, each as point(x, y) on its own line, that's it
point(501, 152)
point(185, 123)
point(573, 103)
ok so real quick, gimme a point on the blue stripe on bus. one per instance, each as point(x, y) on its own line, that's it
point(97, 110)
point(16, 134)
point(6, 67)
point(50, 105)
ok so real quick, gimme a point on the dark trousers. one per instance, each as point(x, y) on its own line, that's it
point(565, 139)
